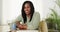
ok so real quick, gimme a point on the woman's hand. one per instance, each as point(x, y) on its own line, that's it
point(25, 26)
point(22, 27)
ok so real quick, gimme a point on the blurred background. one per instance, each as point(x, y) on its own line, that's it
point(49, 10)
point(12, 8)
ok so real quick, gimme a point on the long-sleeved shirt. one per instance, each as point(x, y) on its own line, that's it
point(33, 24)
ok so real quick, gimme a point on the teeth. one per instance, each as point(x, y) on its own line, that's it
point(26, 11)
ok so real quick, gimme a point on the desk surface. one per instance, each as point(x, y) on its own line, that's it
point(27, 31)
point(7, 28)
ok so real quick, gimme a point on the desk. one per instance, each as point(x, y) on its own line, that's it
point(27, 31)
point(6, 28)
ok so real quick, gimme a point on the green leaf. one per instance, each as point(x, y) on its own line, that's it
point(58, 2)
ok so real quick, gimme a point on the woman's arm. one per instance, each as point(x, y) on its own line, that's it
point(35, 22)
point(21, 26)
point(18, 20)
point(17, 23)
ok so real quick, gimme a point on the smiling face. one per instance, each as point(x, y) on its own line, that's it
point(27, 9)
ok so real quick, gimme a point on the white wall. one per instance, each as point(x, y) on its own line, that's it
point(12, 8)
point(47, 4)
point(0, 11)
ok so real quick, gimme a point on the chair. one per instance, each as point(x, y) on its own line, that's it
point(43, 26)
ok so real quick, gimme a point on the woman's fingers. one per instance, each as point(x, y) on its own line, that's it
point(22, 27)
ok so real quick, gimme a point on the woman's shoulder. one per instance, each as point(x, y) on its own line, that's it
point(36, 13)
point(19, 18)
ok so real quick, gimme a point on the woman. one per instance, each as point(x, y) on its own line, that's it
point(29, 18)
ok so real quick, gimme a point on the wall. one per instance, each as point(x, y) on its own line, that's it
point(0, 11)
point(12, 8)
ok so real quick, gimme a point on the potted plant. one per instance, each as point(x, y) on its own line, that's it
point(54, 19)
